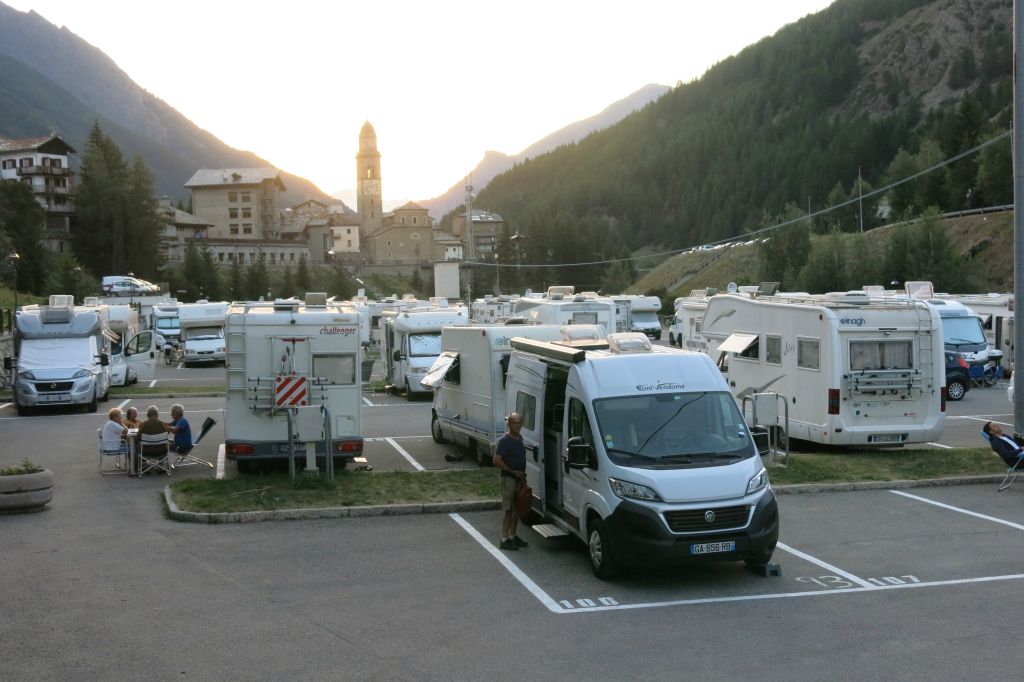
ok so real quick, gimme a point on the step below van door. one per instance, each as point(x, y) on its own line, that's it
point(524, 393)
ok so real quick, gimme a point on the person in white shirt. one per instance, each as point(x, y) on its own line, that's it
point(114, 432)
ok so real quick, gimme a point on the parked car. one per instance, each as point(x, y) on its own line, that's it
point(958, 376)
point(121, 285)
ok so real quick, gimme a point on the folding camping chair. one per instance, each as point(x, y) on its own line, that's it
point(1015, 467)
point(154, 453)
point(186, 458)
point(118, 456)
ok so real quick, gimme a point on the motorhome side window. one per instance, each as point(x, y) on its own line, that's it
point(866, 355)
point(338, 369)
point(807, 353)
point(753, 351)
point(526, 406)
point(454, 373)
point(773, 349)
point(579, 424)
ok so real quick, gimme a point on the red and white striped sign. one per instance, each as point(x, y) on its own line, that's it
point(291, 390)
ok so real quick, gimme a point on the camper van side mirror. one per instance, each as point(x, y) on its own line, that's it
point(580, 455)
point(104, 360)
point(762, 440)
point(397, 356)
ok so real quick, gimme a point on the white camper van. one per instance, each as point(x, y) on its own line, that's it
point(996, 314)
point(412, 341)
point(124, 322)
point(853, 370)
point(643, 316)
point(63, 354)
point(201, 325)
point(685, 331)
point(468, 379)
point(291, 353)
point(165, 322)
point(640, 452)
point(560, 306)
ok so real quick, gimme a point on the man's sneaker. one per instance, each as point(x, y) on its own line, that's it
point(509, 544)
point(519, 542)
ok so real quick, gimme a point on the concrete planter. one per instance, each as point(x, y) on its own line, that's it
point(26, 492)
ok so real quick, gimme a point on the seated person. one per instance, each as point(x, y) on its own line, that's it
point(114, 432)
point(181, 429)
point(131, 418)
point(1009, 449)
point(152, 426)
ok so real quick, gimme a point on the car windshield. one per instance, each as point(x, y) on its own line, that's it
point(959, 330)
point(673, 428)
point(425, 345)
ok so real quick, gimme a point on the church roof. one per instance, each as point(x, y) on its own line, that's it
point(367, 130)
point(410, 206)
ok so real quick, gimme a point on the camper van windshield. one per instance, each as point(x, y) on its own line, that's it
point(167, 323)
point(425, 345)
point(204, 333)
point(957, 330)
point(673, 429)
point(56, 353)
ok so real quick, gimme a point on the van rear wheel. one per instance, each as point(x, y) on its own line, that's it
point(602, 561)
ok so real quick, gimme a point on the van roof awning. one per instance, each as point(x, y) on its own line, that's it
point(435, 375)
point(737, 343)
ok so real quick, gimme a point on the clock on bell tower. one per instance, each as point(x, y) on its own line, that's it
point(368, 193)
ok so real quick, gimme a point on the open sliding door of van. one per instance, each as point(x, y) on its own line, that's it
point(140, 354)
point(525, 395)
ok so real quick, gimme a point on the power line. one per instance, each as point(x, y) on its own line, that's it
point(763, 230)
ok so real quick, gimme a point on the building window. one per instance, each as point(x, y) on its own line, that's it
point(233, 213)
point(25, 162)
point(246, 197)
point(348, 230)
point(220, 256)
point(292, 257)
point(403, 220)
point(233, 229)
point(350, 243)
point(247, 229)
point(233, 197)
point(273, 258)
point(246, 212)
point(414, 219)
point(8, 163)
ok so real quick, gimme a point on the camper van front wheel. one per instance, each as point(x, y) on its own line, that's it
point(601, 560)
point(435, 430)
point(93, 406)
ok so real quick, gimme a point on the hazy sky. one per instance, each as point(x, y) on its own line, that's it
point(441, 81)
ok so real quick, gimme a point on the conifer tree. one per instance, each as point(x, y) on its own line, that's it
point(21, 229)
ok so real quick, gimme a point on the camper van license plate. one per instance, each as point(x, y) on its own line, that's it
point(713, 547)
point(300, 448)
point(885, 438)
point(55, 397)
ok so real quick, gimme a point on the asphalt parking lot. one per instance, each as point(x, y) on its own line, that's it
point(905, 584)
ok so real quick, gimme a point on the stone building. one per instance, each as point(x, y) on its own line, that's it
point(42, 163)
point(239, 203)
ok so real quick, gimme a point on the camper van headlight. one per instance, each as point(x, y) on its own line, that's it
point(29, 376)
point(633, 491)
point(81, 374)
point(757, 482)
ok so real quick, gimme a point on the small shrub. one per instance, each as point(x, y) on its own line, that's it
point(26, 467)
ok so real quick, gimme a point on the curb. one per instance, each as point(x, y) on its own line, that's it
point(137, 396)
point(178, 514)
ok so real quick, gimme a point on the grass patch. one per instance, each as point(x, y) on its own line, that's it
point(136, 389)
point(349, 489)
point(886, 465)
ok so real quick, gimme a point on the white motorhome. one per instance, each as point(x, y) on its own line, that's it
point(124, 322)
point(853, 370)
point(996, 314)
point(685, 331)
point(309, 348)
point(640, 452)
point(561, 306)
point(493, 309)
point(412, 341)
point(165, 323)
point(468, 379)
point(643, 316)
point(63, 354)
point(201, 325)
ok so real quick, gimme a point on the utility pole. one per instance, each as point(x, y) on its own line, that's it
point(470, 251)
point(860, 199)
point(1018, 201)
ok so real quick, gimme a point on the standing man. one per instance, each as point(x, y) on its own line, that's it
point(510, 458)
point(181, 429)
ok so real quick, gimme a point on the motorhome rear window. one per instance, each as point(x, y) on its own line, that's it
point(584, 318)
point(773, 349)
point(197, 333)
point(166, 323)
point(526, 406)
point(338, 369)
point(808, 353)
point(865, 355)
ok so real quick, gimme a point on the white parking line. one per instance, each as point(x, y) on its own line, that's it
point(123, 403)
point(5, 405)
point(366, 401)
point(152, 383)
point(403, 453)
point(993, 519)
point(985, 419)
point(517, 573)
point(220, 462)
point(827, 566)
point(940, 445)
point(374, 439)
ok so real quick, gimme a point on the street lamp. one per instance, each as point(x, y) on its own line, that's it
point(131, 290)
point(78, 282)
point(13, 257)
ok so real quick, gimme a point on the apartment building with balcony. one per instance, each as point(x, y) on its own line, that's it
point(238, 203)
point(42, 163)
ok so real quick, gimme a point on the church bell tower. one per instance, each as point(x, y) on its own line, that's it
point(368, 198)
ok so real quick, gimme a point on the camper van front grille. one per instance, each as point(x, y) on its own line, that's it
point(53, 386)
point(696, 520)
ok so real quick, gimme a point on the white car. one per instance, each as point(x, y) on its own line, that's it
point(128, 286)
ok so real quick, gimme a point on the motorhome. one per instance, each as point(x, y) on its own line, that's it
point(468, 379)
point(412, 341)
point(63, 354)
point(996, 314)
point(640, 452)
point(124, 322)
point(561, 306)
point(643, 316)
point(685, 331)
point(493, 309)
point(165, 323)
point(852, 370)
point(291, 353)
point(201, 326)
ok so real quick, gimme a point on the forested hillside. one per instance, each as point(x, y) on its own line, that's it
point(885, 88)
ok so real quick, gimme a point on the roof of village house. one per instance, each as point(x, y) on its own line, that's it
point(34, 143)
point(186, 218)
point(219, 177)
point(410, 206)
point(484, 217)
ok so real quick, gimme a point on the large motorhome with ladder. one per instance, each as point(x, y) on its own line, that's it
point(311, 350)
point(562, 306)
point(853, 370)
